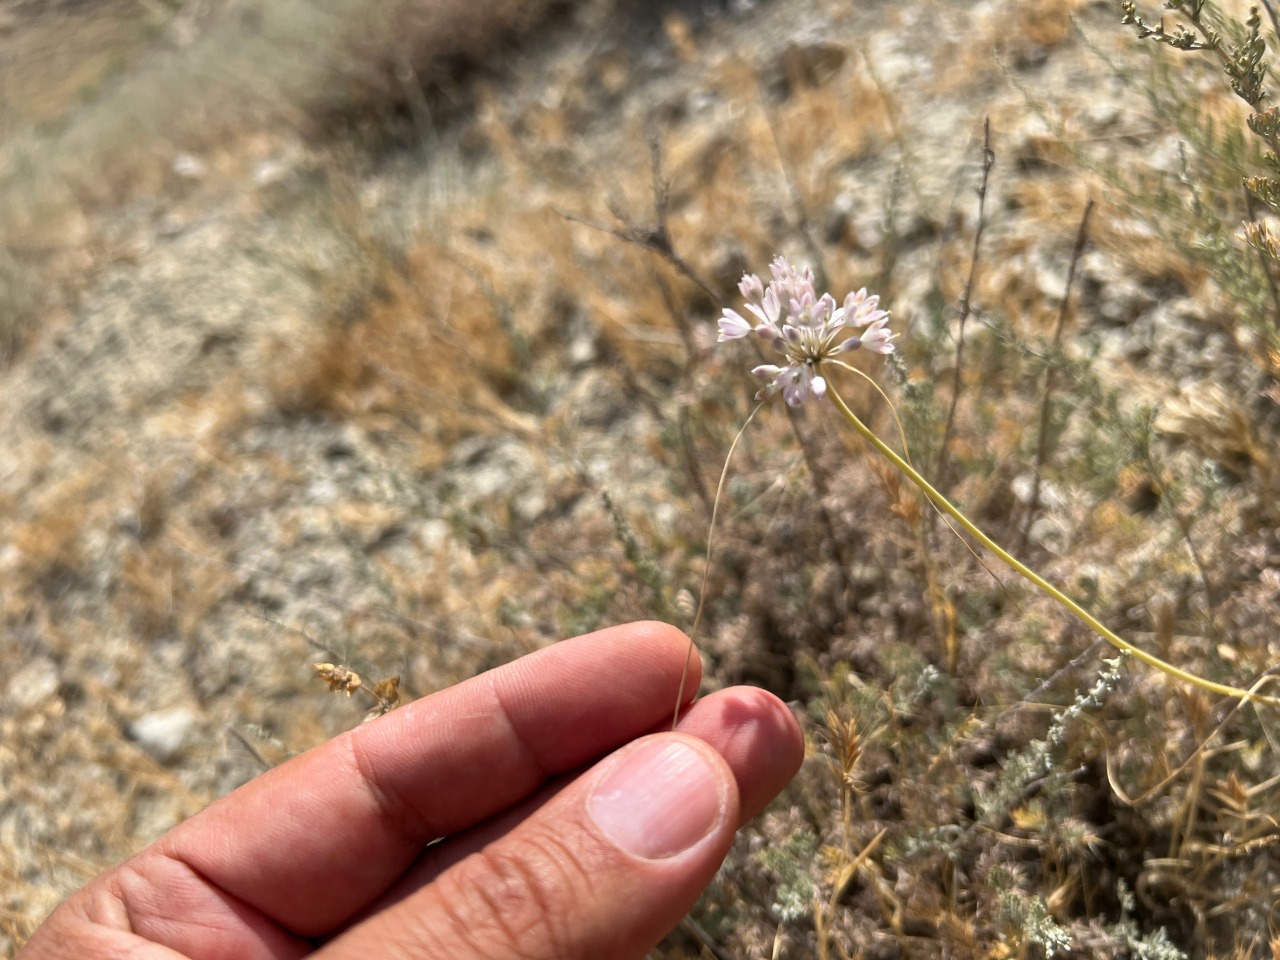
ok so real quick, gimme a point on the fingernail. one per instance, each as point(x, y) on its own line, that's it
point(659, 799)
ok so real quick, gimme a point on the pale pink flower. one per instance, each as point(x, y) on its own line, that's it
point(807, 330)
point(877, 337)
point(732, 326)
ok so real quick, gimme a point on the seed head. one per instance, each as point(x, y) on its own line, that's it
point(339, 678)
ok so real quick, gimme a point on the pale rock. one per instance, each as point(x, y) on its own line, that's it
point(35, 682)
point(190, 166)
point(163, 733)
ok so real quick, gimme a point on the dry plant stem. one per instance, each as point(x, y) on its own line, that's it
point(1030, 575)
point(687, 453)
point(818, 479)
point(706, 570)
point(1051, 376)
point(1185, 820)
point(1184, 529)
point(1150, 792)
point(966, 298)
point(263, 763)
point(696, 930)
point(657, 239)
point(822, 917)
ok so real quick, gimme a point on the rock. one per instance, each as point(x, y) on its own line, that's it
point(35, 682)
point(163, 733)
point(190, 166)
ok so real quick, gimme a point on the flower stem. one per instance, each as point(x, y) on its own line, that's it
point(1030, 575)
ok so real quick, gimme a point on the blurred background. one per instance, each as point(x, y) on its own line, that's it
point(382, 333)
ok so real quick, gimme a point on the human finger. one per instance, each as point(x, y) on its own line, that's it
point(309, 844)
point(753, 731)
point(605, 868)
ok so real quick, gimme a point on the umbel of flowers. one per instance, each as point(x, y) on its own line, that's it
point(807, 330)
point(804, 328)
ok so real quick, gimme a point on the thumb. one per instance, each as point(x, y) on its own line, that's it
point(605, 868)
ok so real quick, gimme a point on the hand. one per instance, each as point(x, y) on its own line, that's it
point(571, 823)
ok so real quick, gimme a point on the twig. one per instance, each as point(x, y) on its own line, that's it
point(1073, 664)
point(657, 239)
point(245, 742)
point(1051, 375)
point(687, 452)
point(695, 930)
point(1029, 698)
point(1123, 797)
point(1183, 523)
point(966, 298)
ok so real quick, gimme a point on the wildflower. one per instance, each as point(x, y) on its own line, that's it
point(804, 327)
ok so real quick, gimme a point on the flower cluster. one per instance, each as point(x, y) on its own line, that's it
point(805, 328)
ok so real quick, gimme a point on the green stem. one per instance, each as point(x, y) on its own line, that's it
point(1030, 575)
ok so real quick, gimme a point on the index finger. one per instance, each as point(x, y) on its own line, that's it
point(311, 842)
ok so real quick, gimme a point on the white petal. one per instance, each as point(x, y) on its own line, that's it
point(878, 338)
point(751, 288)
point(772, 308)
point(823, 309)
point(733, 326)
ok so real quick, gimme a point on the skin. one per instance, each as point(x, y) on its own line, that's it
point(541, 810)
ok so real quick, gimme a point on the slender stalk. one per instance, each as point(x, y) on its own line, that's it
point(966, 298)
point(706, 570)
point(1050, 377)
point(1030, 575)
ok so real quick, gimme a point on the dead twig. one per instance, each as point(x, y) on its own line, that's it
point(1051, 375)
point(656, 238)
point(966, 300)
point(253, 751)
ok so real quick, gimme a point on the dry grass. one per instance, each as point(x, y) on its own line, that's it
point(203, 80)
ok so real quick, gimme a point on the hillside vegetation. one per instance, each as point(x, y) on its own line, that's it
point(383, 334)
